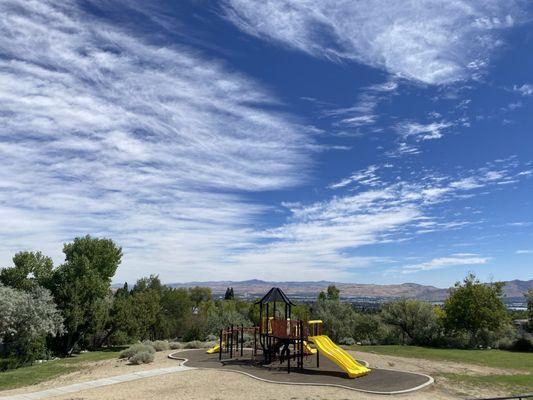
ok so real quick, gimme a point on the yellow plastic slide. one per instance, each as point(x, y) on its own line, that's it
point(340, 357)
point(214, 349)
point(308, 349)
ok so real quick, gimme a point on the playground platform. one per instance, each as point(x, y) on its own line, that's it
point(380, 381)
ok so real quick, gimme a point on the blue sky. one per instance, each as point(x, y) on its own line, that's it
point(368, 142)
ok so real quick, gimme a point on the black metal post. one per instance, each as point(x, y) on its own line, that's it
point(255, 342)
point(231, 344)
point(242, 339)
point(288, 360)
point(220, 345)
point(317, 358)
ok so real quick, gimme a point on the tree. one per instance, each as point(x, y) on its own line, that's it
point(337, 317)
point(529, 299)
point(122, 322)
point(332, 293)
point(476, 309)
point(229, 295)
point(199, 294)
point(146, 309)
point(415, 319)
point(26, 319)
point(81, 283)
point(30, 270)
point(176, 311)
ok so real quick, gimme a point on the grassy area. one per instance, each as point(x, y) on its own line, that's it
point(31, 375)
point(512, 384)
point(489, 358)
point(505, 360)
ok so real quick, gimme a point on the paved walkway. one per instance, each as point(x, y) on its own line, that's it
point(43, 394)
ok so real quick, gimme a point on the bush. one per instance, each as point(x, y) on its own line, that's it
point(143, 357)
point(136, 348)
point(523, 343)
point(195, 344)
point(176, 345)
point(10, 363)
point(211, 338)
point(148, 343)
point(347, 341)
point(161, 345)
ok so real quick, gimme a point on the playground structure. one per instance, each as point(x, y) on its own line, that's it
point(281, 338)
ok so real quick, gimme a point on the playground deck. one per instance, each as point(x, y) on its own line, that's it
point(381, 381)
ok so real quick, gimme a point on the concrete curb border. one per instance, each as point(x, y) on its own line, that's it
point(429, 382)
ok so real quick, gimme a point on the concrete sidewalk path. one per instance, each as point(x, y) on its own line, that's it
point(43, 394)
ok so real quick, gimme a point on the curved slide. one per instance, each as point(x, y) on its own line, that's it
point(340, 357)
point(214, 349)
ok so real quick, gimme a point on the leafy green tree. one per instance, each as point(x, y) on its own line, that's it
point(26, 319)
point(229, 295)
point(200, 294)
point(415, 319)
point(30, 270)
point(81, 283)
point(366, 327)
point(122, 322)
point(337, 317)
point(476, 309)
point(176, 312)
point(146, 301)
point(225, 313)
point(146, 309)
point(529, 300)
point(331, 293)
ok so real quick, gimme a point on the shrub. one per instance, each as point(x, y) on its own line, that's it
point(142, 357)
point(136, 348)
point(211, 338)
point(523, 343)
point(160, 345)
point(10, 363)
point(347, 341)
point(148, 343)
point(176, 345)
point(195, 344)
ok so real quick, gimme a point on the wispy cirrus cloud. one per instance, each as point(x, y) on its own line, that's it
point(418, 131)
point(325, 238)
point(454, 260)
point(103, 132)
point(428, 41)
point(525, 90)
point(524, 251)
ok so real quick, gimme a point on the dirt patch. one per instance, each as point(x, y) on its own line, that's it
point(96, 370)
point(217, 385)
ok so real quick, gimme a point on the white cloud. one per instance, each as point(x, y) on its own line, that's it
point(426, 40)
point(419, 131)
point(524, 252)
point(156, 146)
point(445, 262)
point(363, 112)
point(525, 90)
point(323, 239)
point(367, 177)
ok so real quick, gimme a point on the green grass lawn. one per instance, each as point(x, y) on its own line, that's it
point(512, 384)
point(489, 358)
point(31, 375)
point(522, 363)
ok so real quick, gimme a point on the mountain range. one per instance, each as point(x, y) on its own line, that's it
point(257, 288)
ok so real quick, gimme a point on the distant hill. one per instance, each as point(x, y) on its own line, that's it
point(257, 288)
